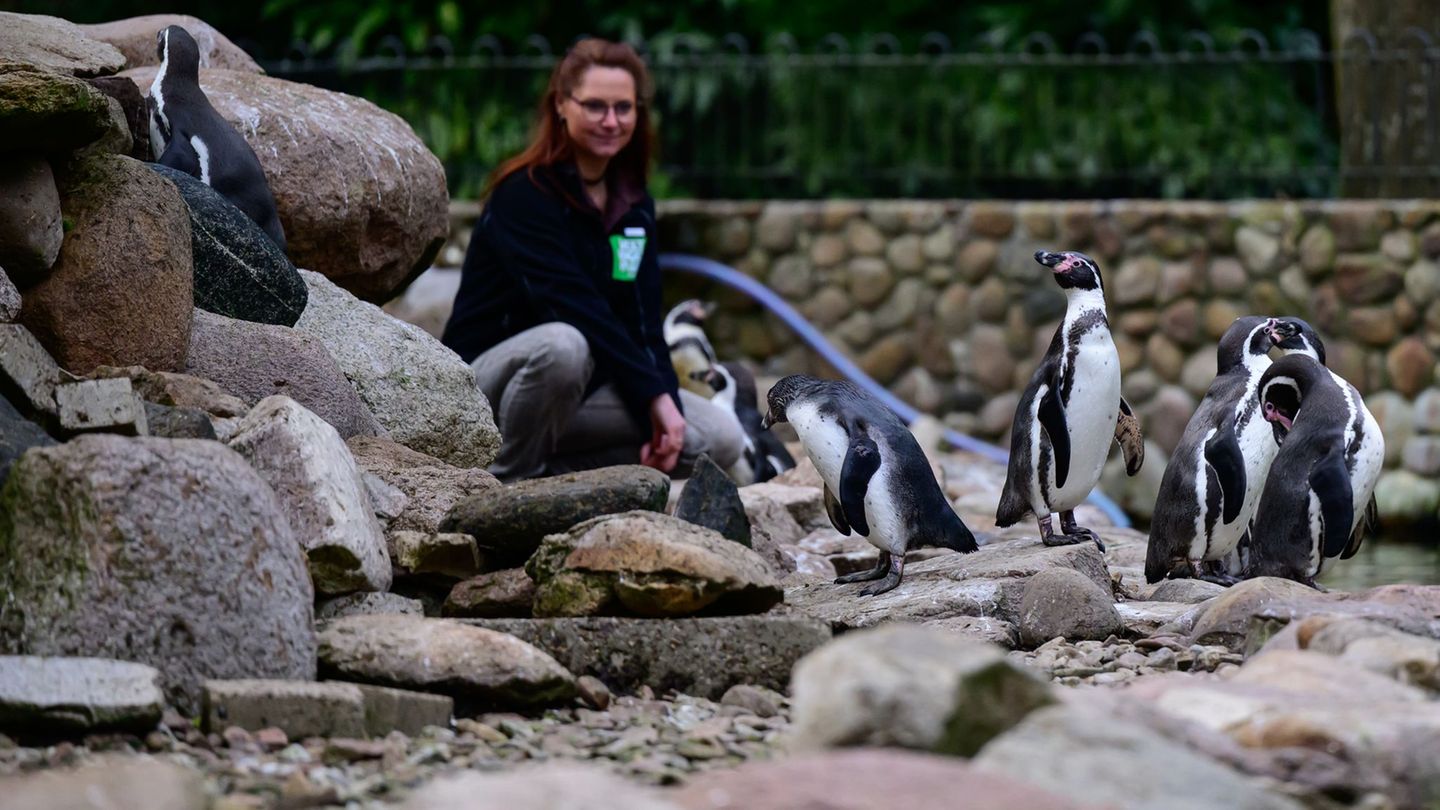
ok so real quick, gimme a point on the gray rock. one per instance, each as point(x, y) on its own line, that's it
point(105, 405)
point(712, 500)
point(806, 504)
point(178, 390)
point(422, 392)
point(299, 708)
point(135, 115)
point(702, 657)
point(510, 522)
point(389, 501)
point(27, 370)
point(30, 224)
point(754, 699)
point(430, 486)
point(120, 781)
point(1185, 590)
point(254, 361)
point(449, 555)
point(1406, 657)
point(1229, 619)
point(911, 687)
point(51, 696)
point(495, 595)
point(1405, 498)
point(402, 710)
point(17, 434)
point(647, 564)
point(9, 299)
point(368, 603)
point(1142, 619)
point(168, 552)
point(316, 479)
point(57, 45)
point(552, 786)
point(1095, 758)
point(178, 423)
point(239, 272)
point(477, 667)
point(978, 628)
point(1064, 603)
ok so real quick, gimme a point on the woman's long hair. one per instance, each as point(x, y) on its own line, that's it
point(550, 144)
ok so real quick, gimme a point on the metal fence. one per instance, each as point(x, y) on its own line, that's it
point(1023, 118)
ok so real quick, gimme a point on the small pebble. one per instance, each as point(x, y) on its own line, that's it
point(759, 702)
point(594, 692)
point(236, 737)
point(271, 738)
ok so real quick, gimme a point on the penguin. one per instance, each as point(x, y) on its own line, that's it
point(1212, 484)
point(1364, 441)
point(187, 134)
point(734, 389)
point(690, 350)
point(1069, 412)
point(1308, 512)
point(878, 482)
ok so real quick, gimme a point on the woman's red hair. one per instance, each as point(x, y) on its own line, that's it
point(550, 144)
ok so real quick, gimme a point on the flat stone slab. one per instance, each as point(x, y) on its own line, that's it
point(702, 657)
point(403, 710)
point(109, 405)
point(299, 708)
point(56, 696)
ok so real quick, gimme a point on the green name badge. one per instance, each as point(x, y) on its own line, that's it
point(627, 250)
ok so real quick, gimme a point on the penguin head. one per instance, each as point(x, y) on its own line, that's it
point(1246, 336)
point(1282, 390)
point(692, 311)
point(1073, 271)
point(712, 377)
point(781, 395)
point(179, 55)
point(1295, 336)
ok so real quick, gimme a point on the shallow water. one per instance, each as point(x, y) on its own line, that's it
point(1384, 561)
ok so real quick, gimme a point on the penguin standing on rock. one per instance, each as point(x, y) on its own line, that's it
point(878, 481)
point(1069, 412)
point(1213, 481)
point(765, 455)
point(1307, 510)
point(187, 134)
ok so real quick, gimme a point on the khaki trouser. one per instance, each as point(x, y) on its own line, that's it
point(536, 382)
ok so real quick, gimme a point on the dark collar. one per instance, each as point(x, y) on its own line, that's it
point(625, 193)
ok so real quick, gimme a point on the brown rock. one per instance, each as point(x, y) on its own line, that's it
point(135, 38)
point(950, 309)
point(1139, 322)
point(1227, 276)
point(1373, 325)
point(828, 250)
point(1411, 365)
point(870, 281)
point(990, 363)
point(1136, 282)
point(365, 203)
point(1181, 322)
point(1177, 280)
point(1037, 219)
point(905, 255)
point(30, 227)
point(496, 595)
point(1165, 357)
point(55, 44)
point(791, 276)
point(1165, 416)
point(433, 487)
point(1317, 250)
point(775, 230)
point(120, 292)
point(827, 307)
point(1367, 279)
point(1218, 316)
point(994, 220)
point(864, 238)
point(991, 300)
point(178, 390)
point(976, 259)
point(1357, 224)
point(887, 358)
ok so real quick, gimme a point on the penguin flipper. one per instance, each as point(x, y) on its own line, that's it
point(1366, 525)
point(1052, 418)
point(1130, 439)
point(1330, 481)
point(1223, 455)
point(837, 515)
point(861, 462)
point(180, 155)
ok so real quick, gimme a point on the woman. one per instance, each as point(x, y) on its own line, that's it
point(559, 308)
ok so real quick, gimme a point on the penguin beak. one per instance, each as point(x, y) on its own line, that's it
point(1049, 259)
point(767, 421)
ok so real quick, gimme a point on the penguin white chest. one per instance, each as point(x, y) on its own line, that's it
point(826, 443)
point(1090, 414)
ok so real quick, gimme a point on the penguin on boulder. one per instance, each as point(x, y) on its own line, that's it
point(1070, 412)
point(734, 389)
point(878, 482)
point(186, 133)
point(1213, 481)
point(1308, 510)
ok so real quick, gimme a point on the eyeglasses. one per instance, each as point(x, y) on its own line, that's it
point(595, 109)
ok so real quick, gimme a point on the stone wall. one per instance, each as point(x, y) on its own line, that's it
point(942, 301)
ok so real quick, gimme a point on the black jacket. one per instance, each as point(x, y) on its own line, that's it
point(534, 258)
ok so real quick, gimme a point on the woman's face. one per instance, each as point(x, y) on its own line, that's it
point(601, 111)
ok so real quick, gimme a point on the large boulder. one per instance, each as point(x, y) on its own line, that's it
point(239, 271)
point(431, 487)
point(361, 198)
point(703, 657)
point(510, 522)
point(134, 37)
point(418, 389)
point(311, 470)
point(45, 696)
point(255, 361)
point(57, 45)
point(913, 687)
point(172, 553)
point(647, 564)
point(30, 222)
point(42, 111)
point(479, 668)
point(121, 292)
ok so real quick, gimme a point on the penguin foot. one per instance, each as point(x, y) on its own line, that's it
point(878, 572)
point(1223, 580)
point(1074, 538)
point(1073, 529)
point(889, 583)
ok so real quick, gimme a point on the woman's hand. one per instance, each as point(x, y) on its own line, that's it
point(663, 450)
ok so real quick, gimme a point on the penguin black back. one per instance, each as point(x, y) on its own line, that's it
point(187, 134)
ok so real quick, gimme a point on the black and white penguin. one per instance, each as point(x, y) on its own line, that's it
point(734, 389)
point(690, 351)
point(878, 481)
point(187, 134)
point(1070, 412)
point(1308, 510)
point(1213, 481)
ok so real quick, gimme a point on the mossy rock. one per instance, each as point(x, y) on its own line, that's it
point(47, 112)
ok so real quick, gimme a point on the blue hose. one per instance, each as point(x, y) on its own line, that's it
point(767, 298)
